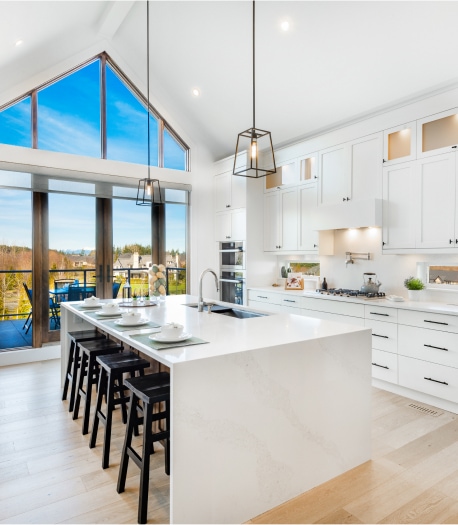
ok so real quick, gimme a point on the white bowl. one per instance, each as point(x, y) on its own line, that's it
point(172, 330)
point(110, 307)
point(131, 317)
point(91, 300)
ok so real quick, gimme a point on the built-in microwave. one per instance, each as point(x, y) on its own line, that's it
point(232, 255)
point(232, 286)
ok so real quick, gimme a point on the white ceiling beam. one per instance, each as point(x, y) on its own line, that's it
point(113, 17)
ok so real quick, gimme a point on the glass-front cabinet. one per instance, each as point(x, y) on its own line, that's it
point(399, 144)
point(287, 174)
point(437, 133)
point(308, 168)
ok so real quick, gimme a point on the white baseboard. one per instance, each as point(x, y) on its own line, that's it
point(29, 355)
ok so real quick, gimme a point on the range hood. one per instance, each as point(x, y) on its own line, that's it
point(351, 214)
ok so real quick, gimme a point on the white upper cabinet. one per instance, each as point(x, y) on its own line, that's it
point(230, 192)
point(435, 183)
point(308, 238)
point(333, 180)
point(351, 171)
point(287, 174)
point(399, 206)
point(281, 220)
point(437, 134)
point(308, 168)
point(230, 225)
point(365, 167)
point(399, 144)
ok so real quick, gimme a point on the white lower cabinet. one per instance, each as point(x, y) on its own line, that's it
point(384, 366)
point(430, 378)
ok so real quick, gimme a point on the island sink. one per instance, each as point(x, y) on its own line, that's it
point(226, 310)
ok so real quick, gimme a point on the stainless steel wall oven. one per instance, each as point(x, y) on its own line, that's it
point(232, 255)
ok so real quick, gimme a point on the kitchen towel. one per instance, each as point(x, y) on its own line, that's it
point(156, 345)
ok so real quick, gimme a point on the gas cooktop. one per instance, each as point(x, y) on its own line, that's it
point(344, 292)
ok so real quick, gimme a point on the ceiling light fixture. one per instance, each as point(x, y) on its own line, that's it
point(149, 190)
point(285, 25)
point(19, 42)
point(195, 92)
point(255, 143)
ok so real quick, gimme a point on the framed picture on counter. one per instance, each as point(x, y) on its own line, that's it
point(294, 282)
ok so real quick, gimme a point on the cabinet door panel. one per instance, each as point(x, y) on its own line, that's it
point(366, 167)
point(288, 235)
point(333, 176)
point(308, 238)
point(398, 206)
point(436, 213)
point(238, 192)
point(223, 226)
point(222, 192)
point(271, 227)
point(238, 225)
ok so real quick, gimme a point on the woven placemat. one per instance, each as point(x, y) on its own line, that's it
point(156, 345)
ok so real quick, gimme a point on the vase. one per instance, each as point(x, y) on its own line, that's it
point(415, 295)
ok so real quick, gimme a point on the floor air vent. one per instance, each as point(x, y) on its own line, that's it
point(425, 410)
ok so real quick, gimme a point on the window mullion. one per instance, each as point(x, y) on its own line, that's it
point(103, 105)
point(34, 118)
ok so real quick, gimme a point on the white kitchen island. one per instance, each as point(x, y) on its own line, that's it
point(271, 407)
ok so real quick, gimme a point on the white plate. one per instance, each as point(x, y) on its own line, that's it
point(161, 338)
point(121, 322)
point(108, 314)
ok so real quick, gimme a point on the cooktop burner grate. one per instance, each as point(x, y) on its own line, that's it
point(345, 292)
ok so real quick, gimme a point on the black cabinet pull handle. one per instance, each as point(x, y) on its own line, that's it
point(376, 313)
point(435, 380)
point(289, 301)
point(383, 243)
point(384, 336)
point(450, 241)
point(435, 322)
point(437, 347)
point(381, 366)
point(262, 297)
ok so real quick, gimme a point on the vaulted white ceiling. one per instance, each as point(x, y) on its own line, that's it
point(338, 62)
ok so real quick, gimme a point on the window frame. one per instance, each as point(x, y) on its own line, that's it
point(104, 60)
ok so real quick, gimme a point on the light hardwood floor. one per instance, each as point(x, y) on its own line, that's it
point(48, 474)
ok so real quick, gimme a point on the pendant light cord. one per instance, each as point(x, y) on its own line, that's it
point(147, 82)
point(254, 81)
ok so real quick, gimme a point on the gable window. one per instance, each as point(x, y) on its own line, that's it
point(93, 110)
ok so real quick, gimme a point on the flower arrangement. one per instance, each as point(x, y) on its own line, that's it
point(157, 280)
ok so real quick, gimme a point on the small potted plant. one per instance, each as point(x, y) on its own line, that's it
point(414, 287)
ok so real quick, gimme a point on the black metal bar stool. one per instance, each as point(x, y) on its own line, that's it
point(90, 369)
point(73, 362)
point(150, 390)
point(112, 369)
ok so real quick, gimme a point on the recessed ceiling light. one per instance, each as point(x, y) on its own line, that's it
point(285, 25)
point(19, 42)
point(195, 92)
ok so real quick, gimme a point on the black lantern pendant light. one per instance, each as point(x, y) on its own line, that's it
point(255, 143)
point(149, 190)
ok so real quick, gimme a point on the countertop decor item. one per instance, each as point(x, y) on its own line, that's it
point(294, 282)
point(415, 288)
point(254, 141)
point(157, 281)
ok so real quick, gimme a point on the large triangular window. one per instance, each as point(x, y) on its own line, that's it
point(94, 111)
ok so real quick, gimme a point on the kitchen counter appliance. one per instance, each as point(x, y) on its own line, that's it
point(345, 292)
point(232, 256)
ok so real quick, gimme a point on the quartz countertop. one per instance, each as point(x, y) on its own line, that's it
point(225, 335)
point(422, 306)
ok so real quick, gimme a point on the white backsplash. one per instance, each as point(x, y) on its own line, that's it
point(391, 270)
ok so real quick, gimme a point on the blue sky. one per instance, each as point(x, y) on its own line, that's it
point(69, 121)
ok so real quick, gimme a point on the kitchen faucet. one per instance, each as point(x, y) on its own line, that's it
point(200, 300)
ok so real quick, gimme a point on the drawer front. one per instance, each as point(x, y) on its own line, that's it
point(266, 307)
point(384, 366)
point(445, 323)
point(333, 307)
point(333, 317)
point(384, 335)
point(428, 345)
point(381, 313)
point(430, 378)
point(263, 297)
point(290, 301)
